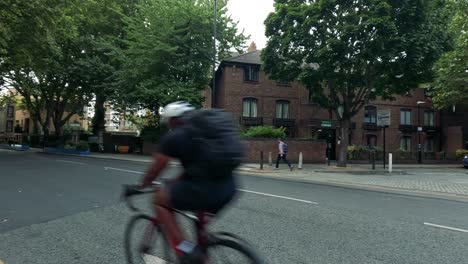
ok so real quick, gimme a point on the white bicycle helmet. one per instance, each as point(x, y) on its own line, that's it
point(175, 109)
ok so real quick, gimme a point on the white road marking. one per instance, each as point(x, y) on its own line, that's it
point(150, 259)
point(42, 158)
point(241, 190)
point(447, 227)
point(117, 169)
point(278, 196)
point(68, 161)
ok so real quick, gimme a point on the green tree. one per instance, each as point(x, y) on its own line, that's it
point(450, 85)
point(47, 70)
point(349, 52)
point(168, 51)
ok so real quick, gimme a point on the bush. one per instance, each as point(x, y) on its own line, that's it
point(82, 146)
point(402, 154)
point(460, 153)
point(152, 134)
point(356, 152)
point(94, 147)
point(264, 132)
point(35, 140)
point(69, 145)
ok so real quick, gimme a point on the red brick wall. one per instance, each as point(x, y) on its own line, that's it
point(312, 151)
point(455, 140)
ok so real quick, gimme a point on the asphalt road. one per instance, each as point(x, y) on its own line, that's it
point(56, 209)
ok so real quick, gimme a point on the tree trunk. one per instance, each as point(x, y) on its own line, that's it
point(99, 120)
point(343, 143)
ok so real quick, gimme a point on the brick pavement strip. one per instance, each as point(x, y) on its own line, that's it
point(454, 183)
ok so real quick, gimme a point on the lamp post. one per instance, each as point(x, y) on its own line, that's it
point(419, 103)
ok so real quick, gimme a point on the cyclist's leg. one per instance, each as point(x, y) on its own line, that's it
point(167, 217)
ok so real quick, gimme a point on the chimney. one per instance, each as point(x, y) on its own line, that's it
point(252, 47)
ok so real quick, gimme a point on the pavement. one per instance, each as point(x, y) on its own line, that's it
point(64, 209)
point(448, 181)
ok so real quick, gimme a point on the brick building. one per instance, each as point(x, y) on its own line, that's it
point(243, 89)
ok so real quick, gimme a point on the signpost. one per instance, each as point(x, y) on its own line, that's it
point(383, 120)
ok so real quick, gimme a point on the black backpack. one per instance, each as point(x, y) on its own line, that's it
point(217, 145)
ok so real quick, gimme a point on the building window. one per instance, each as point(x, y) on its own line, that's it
point(251, 73)
point(370, 115)
point(10, 111)
point(405, 143)
point(429, 145)
point(9, 126)
point(405, 117)
point(429, 118)
point(282, 109)
point(249, 107)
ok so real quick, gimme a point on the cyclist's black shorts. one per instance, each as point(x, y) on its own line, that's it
point(210, 196)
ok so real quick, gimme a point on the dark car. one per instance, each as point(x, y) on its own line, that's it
point(465, 161)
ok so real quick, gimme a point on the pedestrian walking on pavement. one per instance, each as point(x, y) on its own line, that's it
point(282, 153)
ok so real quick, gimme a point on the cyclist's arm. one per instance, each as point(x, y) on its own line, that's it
point(160, 162)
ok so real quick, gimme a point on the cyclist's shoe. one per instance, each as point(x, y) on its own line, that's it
point(195, 257)
point(191, 254)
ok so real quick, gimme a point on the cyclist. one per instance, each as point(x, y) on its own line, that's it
point(187, 192)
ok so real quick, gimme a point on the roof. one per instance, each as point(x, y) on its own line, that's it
point(249, 58)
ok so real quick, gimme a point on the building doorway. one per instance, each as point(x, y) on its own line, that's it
point(329, 135)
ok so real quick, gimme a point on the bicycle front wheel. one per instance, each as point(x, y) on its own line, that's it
point(145, 243)
point(228, 250)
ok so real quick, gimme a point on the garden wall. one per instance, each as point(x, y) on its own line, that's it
point(312, 151)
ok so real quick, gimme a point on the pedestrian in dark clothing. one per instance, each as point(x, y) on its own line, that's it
point(282, 152)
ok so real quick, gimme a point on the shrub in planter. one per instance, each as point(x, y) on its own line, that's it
point(82, 146)
point(69, 145)
point(460, 153)
point(264, 132)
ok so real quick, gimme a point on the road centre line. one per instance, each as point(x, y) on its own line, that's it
point(241, 190)
point(68, 161)
point(117, 169)
point(277, 196)
point(446, 227)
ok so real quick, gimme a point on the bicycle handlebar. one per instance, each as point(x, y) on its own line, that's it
point(130, 190)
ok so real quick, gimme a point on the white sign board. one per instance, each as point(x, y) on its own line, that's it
point(383, 118)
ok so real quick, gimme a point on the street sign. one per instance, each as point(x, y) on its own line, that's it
point(383, 118)
point(420, 129)
point(326, 123)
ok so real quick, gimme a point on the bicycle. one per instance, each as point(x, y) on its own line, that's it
point(209, 243)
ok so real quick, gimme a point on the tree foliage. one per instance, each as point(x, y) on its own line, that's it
point(47, 70)
point(349, 52)
point(450, 85)
point(168, 51)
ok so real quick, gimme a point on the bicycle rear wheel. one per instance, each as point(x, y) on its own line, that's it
point(229, 250)
point(145, 243)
